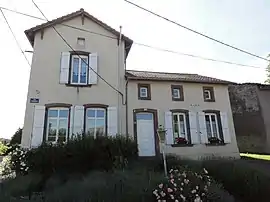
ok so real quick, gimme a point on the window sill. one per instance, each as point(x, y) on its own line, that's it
point(142, 98)
point(209, 100)
point(177, 100)
point(215, 144)
point(182, 145)
point(78, 85)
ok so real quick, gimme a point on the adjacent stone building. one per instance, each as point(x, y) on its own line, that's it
point(250, 104)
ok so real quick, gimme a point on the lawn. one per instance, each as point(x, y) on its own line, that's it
point(256, 156)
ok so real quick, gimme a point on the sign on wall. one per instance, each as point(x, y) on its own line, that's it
point(34, 100)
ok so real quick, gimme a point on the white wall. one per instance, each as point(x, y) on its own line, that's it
point(161, 100)
point(44, 77)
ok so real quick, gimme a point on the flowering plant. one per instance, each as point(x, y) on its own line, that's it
point(181, 140)
point(183, 185)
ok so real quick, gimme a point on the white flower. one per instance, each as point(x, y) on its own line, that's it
point(205, 171)
point(184, 174)
point(197, 187)
point(203, 194)
point(174, 184)
point(162, 194)
point(172, 197)
point(181, 189)
point(197, 199)
point(171, 171)
point(182, 184)
point(169, 190)
point(176, 200)
point(183, 198)
point(160, 186)
point(172, 180)
point(186, 181)
point(193, 191)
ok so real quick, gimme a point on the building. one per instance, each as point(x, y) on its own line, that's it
point(250, 107)
point(65, 97)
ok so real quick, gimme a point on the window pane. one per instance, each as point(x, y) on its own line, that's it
point(175, 118)
point(182, 128)
point(75, 73)
point(52, 123)
point(208, 126)
point(176, 93)
point(63, 123)
point(100, 124)
point(100, 113)
point(84, 67)
point(90, 124)
point(53, 113)
point(90, 113)
point(144, 116)
point(175, 130)
point(51, 138)
point(143, 92)
point(214, 125)
point(63, 113)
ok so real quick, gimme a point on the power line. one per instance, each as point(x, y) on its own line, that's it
point(73, 27)
point(195, 56)
point(194, 31)
point(77, 53)
point(17, 42)
point(141, 44)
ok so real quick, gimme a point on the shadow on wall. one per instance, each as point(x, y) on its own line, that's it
point(248, 119)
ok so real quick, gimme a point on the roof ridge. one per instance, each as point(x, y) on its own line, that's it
point(162, 72)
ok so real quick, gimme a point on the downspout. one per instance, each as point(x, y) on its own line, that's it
point(126, 103)
point(119, 103)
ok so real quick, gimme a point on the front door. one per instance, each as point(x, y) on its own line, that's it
point(145, 134)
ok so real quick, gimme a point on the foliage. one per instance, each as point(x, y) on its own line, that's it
point(16, 138)
point(184, 185)
point(78, 155)
point(133, 185)
point(3, 148)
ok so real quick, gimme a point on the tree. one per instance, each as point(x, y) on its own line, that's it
point(268, 71)
point(16, 138)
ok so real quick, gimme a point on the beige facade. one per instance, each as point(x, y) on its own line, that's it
point(52, 64)
point(44, 78)
point(161, 100)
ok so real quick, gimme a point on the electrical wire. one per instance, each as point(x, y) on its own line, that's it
point(14, 36)
point(140, 44)
point(77, 53)
point(196, 32)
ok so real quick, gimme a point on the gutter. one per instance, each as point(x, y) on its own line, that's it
point(126, 103)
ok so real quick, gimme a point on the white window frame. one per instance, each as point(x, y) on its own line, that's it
point(58, 120)
point(79, 70)
point(95, 118)
point(178, 93)
point(146, 92)
point(211, 125)
point(178, 114)
point(208, 97)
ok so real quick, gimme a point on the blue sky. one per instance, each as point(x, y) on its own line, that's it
point(242, 23)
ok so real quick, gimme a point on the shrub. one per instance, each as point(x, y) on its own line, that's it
point(184, 185)
point(3, 148)
point(16, 138)
point(82, 154)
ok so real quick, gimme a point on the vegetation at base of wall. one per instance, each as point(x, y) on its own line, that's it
point(17, 137)
point(132, 185)
point(81, 154)
point(242, 180)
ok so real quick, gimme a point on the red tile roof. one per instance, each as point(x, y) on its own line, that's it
point(175, 77)
point(30, 33)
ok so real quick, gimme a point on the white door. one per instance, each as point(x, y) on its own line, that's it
point(145, 134)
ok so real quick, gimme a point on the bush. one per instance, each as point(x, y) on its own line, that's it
point(16, 138)
point(3, 148)
point(184, 185)
point(81, 155)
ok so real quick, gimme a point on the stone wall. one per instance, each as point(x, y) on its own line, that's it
point(248, 118)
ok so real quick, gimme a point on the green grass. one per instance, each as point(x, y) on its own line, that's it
point(256, 156)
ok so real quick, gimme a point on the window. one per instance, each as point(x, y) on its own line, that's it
point(81, 42)
point(79, 69)
point(57, 125)
point(179, 127)
point(212, 125)
point(144, 92)
point(95, 121)
point(177, 93)
point(208, 94)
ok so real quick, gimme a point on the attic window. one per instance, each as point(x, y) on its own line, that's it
point(81, 42)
